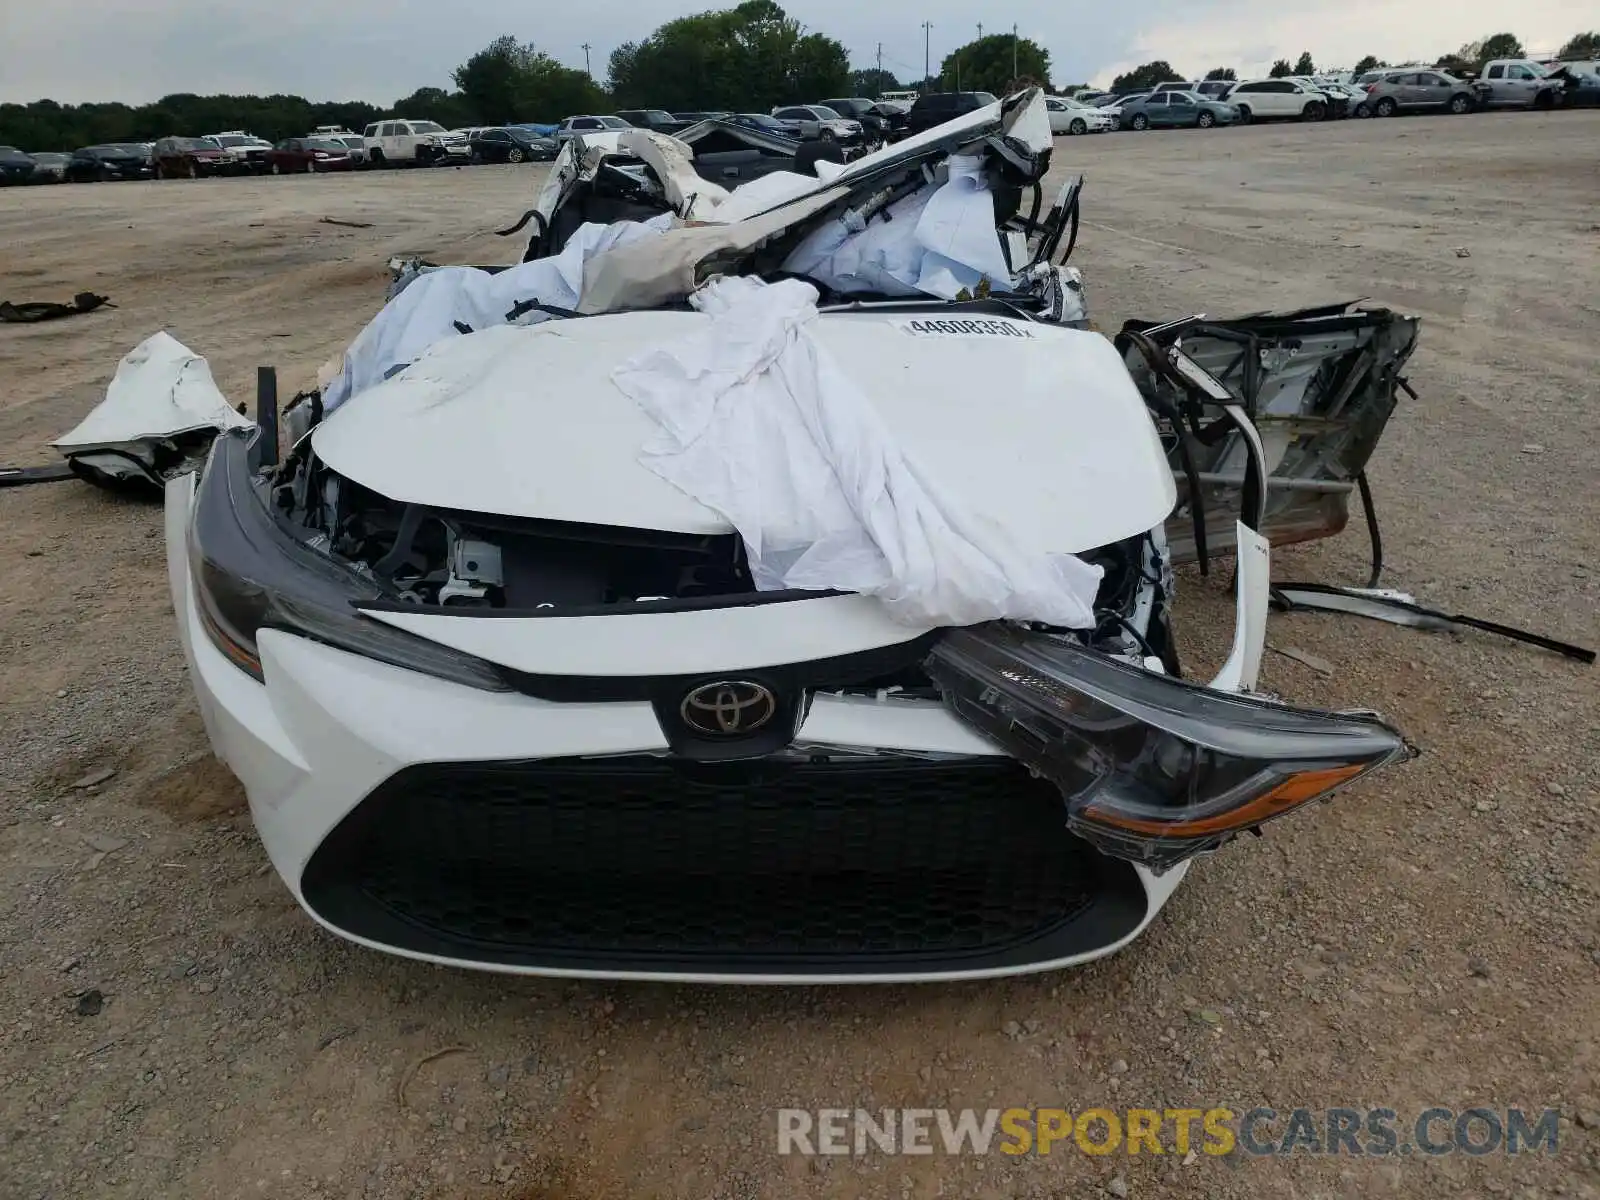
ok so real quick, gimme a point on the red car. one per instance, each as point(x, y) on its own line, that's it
point(309, 154)
point(188, 158)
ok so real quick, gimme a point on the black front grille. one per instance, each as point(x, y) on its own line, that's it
point(775, 865)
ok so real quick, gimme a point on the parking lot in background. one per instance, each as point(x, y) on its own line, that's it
point(1428, 942)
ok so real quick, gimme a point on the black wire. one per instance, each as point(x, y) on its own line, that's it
point(1373, 534)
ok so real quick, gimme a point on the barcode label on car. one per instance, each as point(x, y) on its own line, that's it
point(964, 327)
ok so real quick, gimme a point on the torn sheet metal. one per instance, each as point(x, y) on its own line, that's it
point(841, 507)
point(1399, 608)
point(1319, 385)
point(160, 404)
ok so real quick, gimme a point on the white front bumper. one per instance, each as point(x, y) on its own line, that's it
point(328, 727)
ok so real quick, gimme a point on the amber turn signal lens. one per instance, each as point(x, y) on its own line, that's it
point(1294, 791)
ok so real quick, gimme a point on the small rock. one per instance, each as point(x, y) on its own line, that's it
point(459, 1124)
point(1484, 806)
point(1478, 968)
point(1120, 1067)
point(62, 694)
point(1587, 1119)
point(94, 778)
point(1555, 789)
point(1117, 1187)
point(1463, 252)
point(1012, 1030)
point(1208, 1016)
point(1533, 448)
point(1190, 1159)
point(90, 1003)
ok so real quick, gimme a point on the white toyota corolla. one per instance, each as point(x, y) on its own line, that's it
point(506, 692)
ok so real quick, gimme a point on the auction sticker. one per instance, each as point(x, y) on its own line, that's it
point(964, 327)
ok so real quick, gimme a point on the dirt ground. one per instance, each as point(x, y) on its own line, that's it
point(1429, 939)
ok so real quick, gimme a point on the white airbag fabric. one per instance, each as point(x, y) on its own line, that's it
point(937, 242)
point(426, 312)
point(759, 423)
point(161, 389)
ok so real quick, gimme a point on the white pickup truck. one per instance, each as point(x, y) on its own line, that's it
point(1519, 83)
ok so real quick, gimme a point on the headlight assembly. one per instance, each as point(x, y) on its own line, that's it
point(1153, 769)
point(251, 573)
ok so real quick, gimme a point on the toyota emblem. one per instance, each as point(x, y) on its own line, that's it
point(728, 708)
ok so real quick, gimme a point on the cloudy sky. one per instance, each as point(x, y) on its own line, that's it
point(379, 50)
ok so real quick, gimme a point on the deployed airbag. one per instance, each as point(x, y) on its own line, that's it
point(759, 423)
point(435, 306)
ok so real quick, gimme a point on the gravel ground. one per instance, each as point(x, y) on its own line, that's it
point(170, 1024)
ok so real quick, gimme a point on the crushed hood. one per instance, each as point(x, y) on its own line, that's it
point(1035, 427)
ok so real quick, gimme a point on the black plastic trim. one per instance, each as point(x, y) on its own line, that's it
point(679, 604)
point(666, 691)
point(1102, 899)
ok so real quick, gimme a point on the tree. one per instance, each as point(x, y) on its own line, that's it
point(1581, 48)
point(753, 57)
point(1227, 73)
point(1500, 45)
point(509, 81)
point(1304, 64)
point(1147, 76)
point(995, 62)
point(1280, 69)
point(873, 83)
point(450, 109)
point(1369, 63)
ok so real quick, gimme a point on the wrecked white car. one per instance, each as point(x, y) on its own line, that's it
point(767, 585)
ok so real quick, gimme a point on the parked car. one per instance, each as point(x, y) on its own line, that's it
point(1343, 98)
point(876, 125)
point(510, 144)
point(764, 123)
point(1520, 83)
point(15, 166)
point(1175, 85)
point(49, 166)
point(246, 150)
point(1070, 117)
point(306, 156)
point(1176, 110)
point(1582, 90)
point(354, 144)
point(657, 120)
point(189, 158)
point(1213, 89)
point(1089, 96)
point(1420, 91)
point(94, 164)
point(1277, 100)
point(938, 107)
point(574, 126)
point(818, 123)
point(404, 142)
